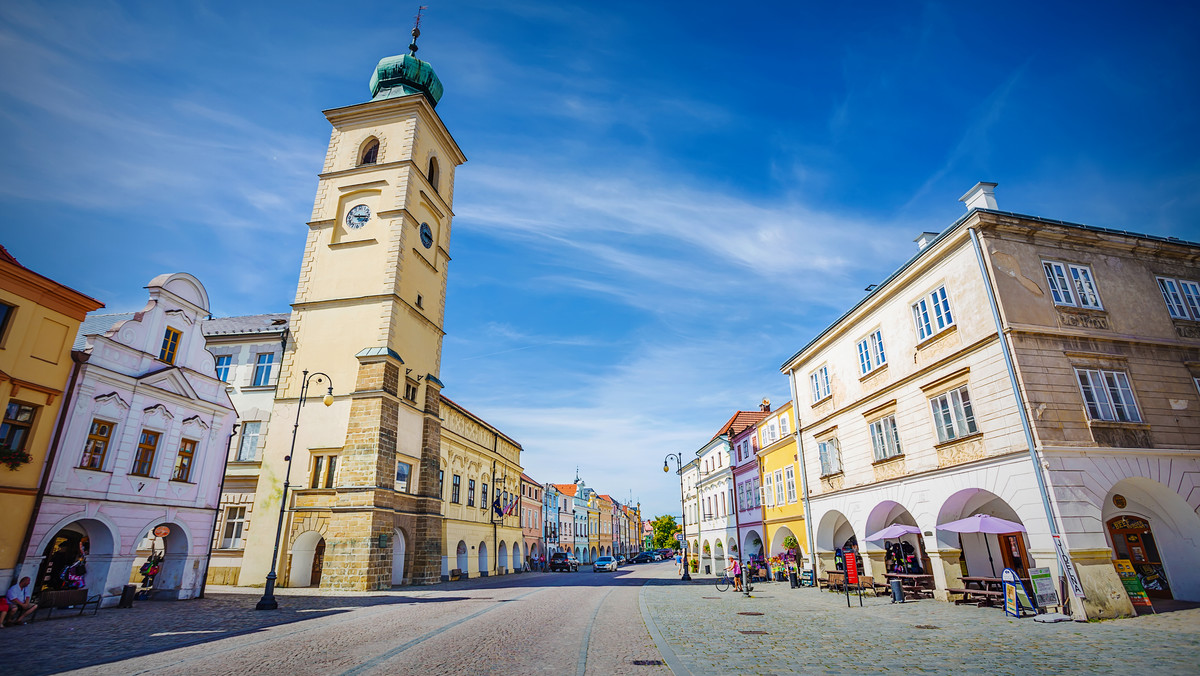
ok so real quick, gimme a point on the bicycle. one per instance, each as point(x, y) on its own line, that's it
point(725, 580)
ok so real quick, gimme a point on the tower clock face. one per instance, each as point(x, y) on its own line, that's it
point(426, 235)
point(358, 216)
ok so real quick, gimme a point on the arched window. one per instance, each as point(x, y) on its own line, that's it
point(433, 173)
point(370, 153)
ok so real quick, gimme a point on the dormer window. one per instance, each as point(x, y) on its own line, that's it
point(370, 154)
point(432, 174)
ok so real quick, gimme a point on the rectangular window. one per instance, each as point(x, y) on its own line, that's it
point(18, 420)
point(789, 475)
point(1107, 395)
point(780, 498)
point(820, 383)
point(952, 415)
point(470, 492)
point(235, 523)
point(769, 490)
point(248, 446)
point(771, 433)
point(757, 493)
point(403, 471)
point(262, 369)
point(441, 484)
point(885, 439)
point(1071, 284)
point(455, 487)
point(932, 314)
point(324, 471)
point(870, 352)
point(784, 425)
point(741, 497)
point(99, 436)
point(483, 498)
point(831, 456)
point(170, 346)
point(143, 459)
point(6, 313)
point(223, 363)
point(410, 390)
point(183, 461)
point(1182, 297)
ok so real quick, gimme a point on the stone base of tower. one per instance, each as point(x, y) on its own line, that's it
point(427, 543)
point(354, 561)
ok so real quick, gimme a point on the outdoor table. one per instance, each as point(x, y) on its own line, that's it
point(915, 583)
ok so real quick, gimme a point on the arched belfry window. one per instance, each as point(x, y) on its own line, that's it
point(433, 173)
point(370, 153)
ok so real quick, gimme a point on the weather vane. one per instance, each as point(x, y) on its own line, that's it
point(416, 31)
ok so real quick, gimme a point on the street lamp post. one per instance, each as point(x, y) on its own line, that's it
point(678, 457)
point(268, 602)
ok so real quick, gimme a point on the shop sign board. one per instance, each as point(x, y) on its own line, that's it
point(1068, 568)
point(1132, 583)
point(162, 531)
point(1014, 593)
point(851, 568)
point(1043, 587)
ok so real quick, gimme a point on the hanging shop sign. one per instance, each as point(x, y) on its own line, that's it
point(1068, 568)
point(162, 531)
point(1132, 583)
point(1043, 587)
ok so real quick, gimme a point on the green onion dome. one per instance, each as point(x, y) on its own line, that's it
point(404, 75)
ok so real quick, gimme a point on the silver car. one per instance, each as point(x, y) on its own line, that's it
point(604, 563)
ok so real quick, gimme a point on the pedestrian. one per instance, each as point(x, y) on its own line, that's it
point(735, 568)
point(19, 605)
point(678, 562)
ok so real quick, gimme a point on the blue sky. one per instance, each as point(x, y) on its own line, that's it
point(662, 201)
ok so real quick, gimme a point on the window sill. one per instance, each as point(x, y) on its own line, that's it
point(833, 474)
point(874, 372)
point(822, 400)
point(228, 550)
point(949, 330)
point(183, 481)
point(245, 463)
point(888, 460)
point(142, 476)
point(258, 388)
point(1118, 424)
point(958, 440)
point(93, 469)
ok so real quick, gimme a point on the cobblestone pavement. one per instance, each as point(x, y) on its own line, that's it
point(813, 632)
point(534, 623)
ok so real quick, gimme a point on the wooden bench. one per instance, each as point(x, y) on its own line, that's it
point(834, 581)
point(982, 597)
point(63, 599)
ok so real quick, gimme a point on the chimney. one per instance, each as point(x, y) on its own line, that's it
point(982, 196)
point(765, 406)
point(924, 239)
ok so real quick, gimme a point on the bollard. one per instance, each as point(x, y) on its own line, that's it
point(897, 591)
point(127, 596)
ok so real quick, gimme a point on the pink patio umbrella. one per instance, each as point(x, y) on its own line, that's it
point(895, 531)
point(983, 523)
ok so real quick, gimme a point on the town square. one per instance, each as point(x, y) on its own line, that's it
point(625, 338)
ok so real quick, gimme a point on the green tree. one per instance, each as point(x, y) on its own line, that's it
point(665, 529)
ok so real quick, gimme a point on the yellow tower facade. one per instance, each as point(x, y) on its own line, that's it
point(365, 507)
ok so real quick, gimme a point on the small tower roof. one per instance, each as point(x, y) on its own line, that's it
point(404, 75)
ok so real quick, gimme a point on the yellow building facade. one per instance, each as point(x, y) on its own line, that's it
point(782, 499)
point(38, 322)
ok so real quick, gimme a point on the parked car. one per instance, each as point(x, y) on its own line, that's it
point(605, 563)
point(563, 561)
point(621, 560)
point(644, 557)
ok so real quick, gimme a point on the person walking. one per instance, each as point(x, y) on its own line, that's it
point(735, 569)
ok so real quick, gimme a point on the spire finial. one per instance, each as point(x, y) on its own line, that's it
point(416, 31)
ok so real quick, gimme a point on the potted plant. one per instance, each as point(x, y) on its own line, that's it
point(790, 542)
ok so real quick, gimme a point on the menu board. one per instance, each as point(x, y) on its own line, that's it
point(851, 568)
point(1043, 587)
point(1132, 583)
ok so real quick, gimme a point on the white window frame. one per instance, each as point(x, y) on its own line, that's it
point(1072, 285)
point(871, 354)
point(1182, 297)
point(819, 380)
point(830, 454)
point(1108, 395)
point(780, 495)
point(757, 493)
point(770, 432)
point(885, 438)
point(239, 524)
point(953, 414)
point(785, 425)
point(929, 325)
point(789, 475)
point(249, 441)
point(263, 367)
point(769, 489)
point(222, 370)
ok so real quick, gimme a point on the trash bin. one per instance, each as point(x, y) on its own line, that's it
point(127, 596)
point(793, 579)
point(897, 591)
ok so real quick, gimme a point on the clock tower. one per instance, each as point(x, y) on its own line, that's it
point(364, 510)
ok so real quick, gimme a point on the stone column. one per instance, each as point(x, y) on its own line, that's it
point(945, 566)
point(428, 536)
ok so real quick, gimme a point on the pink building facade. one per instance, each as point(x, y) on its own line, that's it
point(746, 479)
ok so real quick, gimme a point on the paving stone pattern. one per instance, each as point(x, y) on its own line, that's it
point(813, 632)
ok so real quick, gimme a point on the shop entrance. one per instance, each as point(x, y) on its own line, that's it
point(1133, 539)
point(318, 563)
point(1012, 550)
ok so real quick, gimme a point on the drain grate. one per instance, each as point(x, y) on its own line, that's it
point(926, 626)
point(649, 663)
point(749, 613)
point(710, 597)
point(752, 633)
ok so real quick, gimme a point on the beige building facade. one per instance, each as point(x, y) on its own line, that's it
point(909, 415)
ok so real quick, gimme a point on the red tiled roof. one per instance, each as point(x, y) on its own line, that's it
point(739, 421)
point(7, 257)
point(567, 489)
